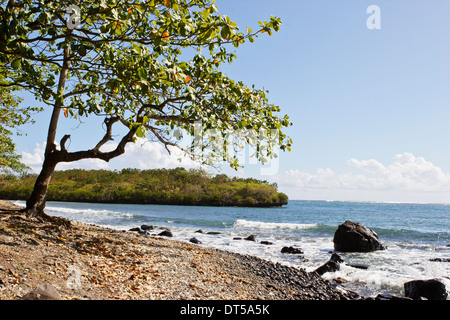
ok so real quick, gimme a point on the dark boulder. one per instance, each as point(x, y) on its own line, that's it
point(354, 237)
point(359, 266)
point(432, 289)
point(137, 229)
point(440, 260)
point(385, 296)
point(166, 233)
point(331, 265)
point(266, 242)
point(291, 250)
point(146, 227)
point(251, 237)
point(336, 258)
point(195, 240)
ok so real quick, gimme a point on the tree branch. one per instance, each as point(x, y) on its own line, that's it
point(109, 122)
point(64, 156)
point(63, 142)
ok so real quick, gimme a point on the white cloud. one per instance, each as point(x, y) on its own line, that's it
point(152, 155)
point(34, 159)
point(406, 177)
point(142, 155)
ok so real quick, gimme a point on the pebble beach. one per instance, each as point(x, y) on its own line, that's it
point(89, 262)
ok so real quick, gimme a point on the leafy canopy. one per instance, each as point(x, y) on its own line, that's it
point(127, 61)
point(11, 117)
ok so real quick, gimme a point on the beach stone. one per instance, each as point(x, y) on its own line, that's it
point(440, 260)
point(137, 229)
point(354, 237)
point(291, 250)
point(195, 240)
point(251, 237)
point(331, 265)
point(166, 233)
point(384, 296)
point(43, 292)
point(336, 258)
point(359, 266)
point(432, 289)
point(146, 227)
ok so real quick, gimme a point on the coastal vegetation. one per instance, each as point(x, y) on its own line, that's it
point(159, 186)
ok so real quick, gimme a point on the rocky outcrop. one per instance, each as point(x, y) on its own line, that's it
point(354, 237)
point(331, 265)
point(166, 233)
point(291, 250)
point(432, 289)
point(195, 240)
point(251, 237)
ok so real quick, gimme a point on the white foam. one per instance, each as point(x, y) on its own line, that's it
point(241, 223)
point(88, 212)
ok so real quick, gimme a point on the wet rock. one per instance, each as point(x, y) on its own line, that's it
point(213, 232)
point(237, 238)
point(195, 240)
point(43, 292)
point(354, 237)
point(266, 242)
point(432, 289)
point(251, 238)
point(137, 229)
point(336, 258)
point(384, 296)
point(440, 260)
point(199, 231)
point(331, 265)
point(359, 266)
point(166, 233)
point(291, 250)
point(146, 227)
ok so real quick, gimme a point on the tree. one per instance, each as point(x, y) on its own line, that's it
point(11, 116)
point(139, 65)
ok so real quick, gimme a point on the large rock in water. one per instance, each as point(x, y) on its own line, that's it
point(354, 237)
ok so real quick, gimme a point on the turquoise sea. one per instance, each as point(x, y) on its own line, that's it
point(413, 234)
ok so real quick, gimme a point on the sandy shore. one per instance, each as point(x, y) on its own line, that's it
point(96, 263)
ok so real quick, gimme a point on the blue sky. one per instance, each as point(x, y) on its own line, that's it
point(370, 108)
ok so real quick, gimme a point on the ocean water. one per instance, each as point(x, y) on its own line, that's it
point(413, 234)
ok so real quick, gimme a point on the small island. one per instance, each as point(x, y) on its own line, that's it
point(157, 186)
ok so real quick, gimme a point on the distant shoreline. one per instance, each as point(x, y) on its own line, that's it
point(161, 204)
point(159, 186)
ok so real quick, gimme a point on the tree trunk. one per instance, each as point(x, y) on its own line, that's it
point(36, 202)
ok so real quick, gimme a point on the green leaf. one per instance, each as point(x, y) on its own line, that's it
point(140, 132)
point(142, 73)
point(226, 32)
point(16, 64)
